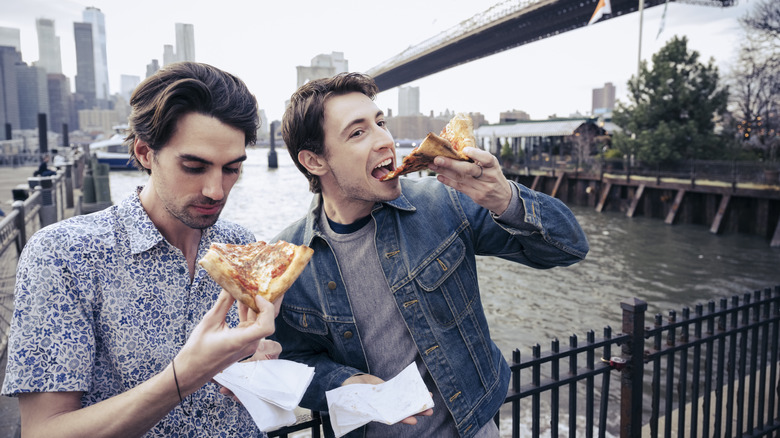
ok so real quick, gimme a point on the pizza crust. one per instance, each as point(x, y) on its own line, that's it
point(279, 285)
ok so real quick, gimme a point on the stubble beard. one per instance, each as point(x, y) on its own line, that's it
point(196, 222)
point(359, 192)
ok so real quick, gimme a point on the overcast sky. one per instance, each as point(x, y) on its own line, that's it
point(263, 42)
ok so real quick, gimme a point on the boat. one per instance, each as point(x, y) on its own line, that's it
point(113, 151)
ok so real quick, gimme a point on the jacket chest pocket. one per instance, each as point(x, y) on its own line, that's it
point(449, 286)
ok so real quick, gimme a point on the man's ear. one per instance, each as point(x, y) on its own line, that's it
point(312, 162)
point(143, 152)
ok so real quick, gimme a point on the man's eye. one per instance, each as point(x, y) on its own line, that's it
point(357, 133)
point(381, 123)
point(233, 170)
point(189, 169)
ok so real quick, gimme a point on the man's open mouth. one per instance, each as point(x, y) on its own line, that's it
point(382, 168)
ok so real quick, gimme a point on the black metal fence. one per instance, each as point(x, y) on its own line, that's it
point(712, 372)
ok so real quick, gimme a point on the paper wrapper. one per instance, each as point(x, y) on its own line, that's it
point(352, 406)
point(269, 389)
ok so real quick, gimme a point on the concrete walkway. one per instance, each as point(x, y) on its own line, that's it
point(10, 177)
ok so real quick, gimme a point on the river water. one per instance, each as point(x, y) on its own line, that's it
point(669, 267)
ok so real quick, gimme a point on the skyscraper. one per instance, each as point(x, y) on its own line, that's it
point(60, 102)
point(95, 17)
point(408, 101)
point(49, 56)
point(85, 67)
point(603, 99)
point(9, 36)
point(185, 42)
point(169, 55)
point(33, 94)
point(9, 91)
point(152, 67)
point(128, 85)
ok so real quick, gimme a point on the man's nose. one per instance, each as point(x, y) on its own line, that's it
point(385, 139)
point(212, 187)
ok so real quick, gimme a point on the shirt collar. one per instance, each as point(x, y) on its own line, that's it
point(141, 231)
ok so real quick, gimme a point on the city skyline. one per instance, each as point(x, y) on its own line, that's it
point(263, 47)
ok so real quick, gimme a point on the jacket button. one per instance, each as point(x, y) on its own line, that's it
point(331, 285)
point(347, 334)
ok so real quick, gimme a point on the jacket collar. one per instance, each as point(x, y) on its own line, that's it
point(312, 217)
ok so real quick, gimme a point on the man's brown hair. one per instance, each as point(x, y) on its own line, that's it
point(161, 100)
point(302, 121)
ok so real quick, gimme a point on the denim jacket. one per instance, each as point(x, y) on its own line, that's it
point(427, 240)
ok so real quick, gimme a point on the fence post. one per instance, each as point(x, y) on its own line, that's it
point(48, 211)
point(69, 184)
point(631, 376)
point(21, 239)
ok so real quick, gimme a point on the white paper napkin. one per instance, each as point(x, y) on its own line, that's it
point(352, 406)
point(269, 389)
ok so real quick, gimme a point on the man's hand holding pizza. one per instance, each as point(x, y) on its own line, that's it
point(483, 180)
point(460, 165)
point(213, 345)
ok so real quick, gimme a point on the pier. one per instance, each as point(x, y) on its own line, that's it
point(722, 206)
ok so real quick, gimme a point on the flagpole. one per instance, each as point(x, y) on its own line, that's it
point(639, 61)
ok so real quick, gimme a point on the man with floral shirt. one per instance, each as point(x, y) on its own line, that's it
point(117, 331)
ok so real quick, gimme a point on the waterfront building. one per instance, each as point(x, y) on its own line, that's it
point(9, 89)
point(85, 66)
point(544, 138)
point(185, 42)
point(94, 16)
point(603, 99)
point(322, 66)
point(33, 94)
point(408, 101)
point(49, 56)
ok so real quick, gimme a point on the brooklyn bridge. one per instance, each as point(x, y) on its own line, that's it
point(504, 26)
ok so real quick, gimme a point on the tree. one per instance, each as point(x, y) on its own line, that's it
point(673, 107)
point(755, 81)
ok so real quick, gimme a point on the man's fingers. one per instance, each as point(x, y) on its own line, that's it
point(220, 308)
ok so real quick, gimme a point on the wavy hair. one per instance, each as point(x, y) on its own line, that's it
point(161, 100)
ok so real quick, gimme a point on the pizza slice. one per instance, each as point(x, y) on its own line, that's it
point(456, 135)
point(256, 268)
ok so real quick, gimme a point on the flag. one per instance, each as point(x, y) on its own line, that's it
point(602, 8)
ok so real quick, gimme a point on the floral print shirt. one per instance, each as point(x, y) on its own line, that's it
point(103, 303)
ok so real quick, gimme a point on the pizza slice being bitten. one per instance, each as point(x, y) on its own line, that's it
point(455, 136)
point(256, 268)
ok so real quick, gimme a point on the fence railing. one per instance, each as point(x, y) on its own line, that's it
point(41, 203)
point(710, 373)
point(732, 172)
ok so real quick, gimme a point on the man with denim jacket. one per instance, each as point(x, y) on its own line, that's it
point(393, 279)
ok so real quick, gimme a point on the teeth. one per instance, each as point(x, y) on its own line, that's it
point(384, 163)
